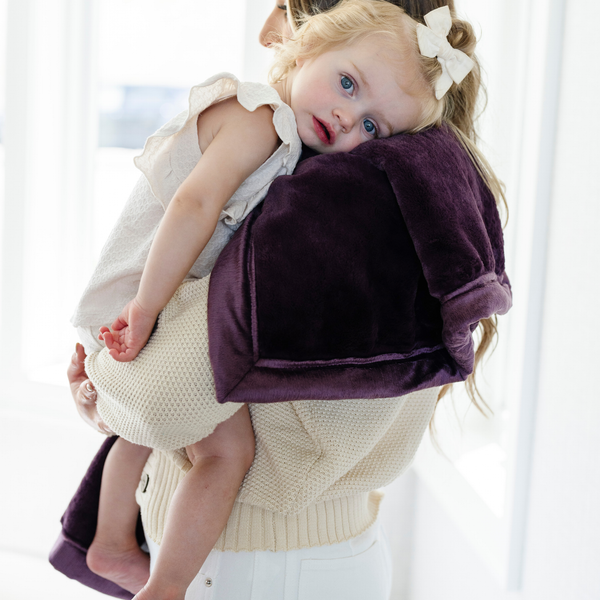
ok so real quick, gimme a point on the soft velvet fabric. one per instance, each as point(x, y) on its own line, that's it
point(362, 275)
point(79, 527)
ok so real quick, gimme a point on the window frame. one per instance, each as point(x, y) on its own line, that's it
point(500, 540)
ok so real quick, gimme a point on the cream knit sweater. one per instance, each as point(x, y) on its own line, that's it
point(316, 463)
point(312, 480)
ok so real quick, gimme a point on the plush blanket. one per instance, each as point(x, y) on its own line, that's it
point(362, 275)
point(68, 555)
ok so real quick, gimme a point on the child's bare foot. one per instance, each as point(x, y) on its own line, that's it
point(128, 567)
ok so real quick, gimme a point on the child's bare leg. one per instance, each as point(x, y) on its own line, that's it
point(201, 506)
point(114, 553)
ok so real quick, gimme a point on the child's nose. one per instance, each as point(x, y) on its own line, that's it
point(346, 119)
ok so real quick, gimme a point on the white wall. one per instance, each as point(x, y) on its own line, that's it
point(51, 63)
point(562, 553)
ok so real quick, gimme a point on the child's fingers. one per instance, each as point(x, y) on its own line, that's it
point(119, 324)
point(103, 331)
point(124, 354)
point(111, 343)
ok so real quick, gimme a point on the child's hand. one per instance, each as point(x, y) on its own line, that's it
point(130, 332)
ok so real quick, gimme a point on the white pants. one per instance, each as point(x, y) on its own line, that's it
point(359, 569)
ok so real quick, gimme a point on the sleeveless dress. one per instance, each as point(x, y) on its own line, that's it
point(168, 158)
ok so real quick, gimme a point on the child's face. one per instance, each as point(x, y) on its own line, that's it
point(354, 94)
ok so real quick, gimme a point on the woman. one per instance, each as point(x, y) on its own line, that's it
point(305, 523)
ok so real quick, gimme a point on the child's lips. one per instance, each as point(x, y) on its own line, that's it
point(324, 131)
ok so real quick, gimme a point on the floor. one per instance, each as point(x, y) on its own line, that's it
point(44, 451)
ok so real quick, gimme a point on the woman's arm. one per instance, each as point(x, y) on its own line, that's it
point(235, 142)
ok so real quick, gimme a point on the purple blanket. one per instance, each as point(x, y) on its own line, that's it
point(79, 527)
point(362, 275)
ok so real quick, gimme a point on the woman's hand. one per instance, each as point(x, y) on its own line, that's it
point(84, 393)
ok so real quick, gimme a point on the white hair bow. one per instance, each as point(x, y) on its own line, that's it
point(433, 43)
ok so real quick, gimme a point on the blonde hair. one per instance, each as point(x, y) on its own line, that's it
point(352, 21)
point(458, 109)
point(459, 113)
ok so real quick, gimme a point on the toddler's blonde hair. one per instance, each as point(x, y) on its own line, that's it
point(350, 22)
point(458, 109)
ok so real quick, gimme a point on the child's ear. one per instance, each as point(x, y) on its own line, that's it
point(300, 61)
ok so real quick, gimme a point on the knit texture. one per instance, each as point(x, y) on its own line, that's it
point(316, 462)
point(315, 467)
point(165, 398)
point(168, 158)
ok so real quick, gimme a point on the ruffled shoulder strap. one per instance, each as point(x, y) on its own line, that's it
point(155, 160)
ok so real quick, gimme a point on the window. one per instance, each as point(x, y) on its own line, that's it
point(78, 81)
point(2, 110)
point(483, 481)
point(89, 81)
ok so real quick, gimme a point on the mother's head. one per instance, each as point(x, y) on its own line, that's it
point(414, 8)
point(288, 14)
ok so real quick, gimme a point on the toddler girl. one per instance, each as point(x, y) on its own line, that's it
point(347, 76)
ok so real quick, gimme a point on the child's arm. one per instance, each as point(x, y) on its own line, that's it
point(234, 142)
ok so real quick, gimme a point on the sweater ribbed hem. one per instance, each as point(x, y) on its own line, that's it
point(330, 522)
point(250, 527)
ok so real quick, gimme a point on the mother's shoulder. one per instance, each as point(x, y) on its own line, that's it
point(436, 151)
point(436, 147)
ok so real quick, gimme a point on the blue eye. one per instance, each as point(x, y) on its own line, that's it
point(369, 126)
point(346, 83)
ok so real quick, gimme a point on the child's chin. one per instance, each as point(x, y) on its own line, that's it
point(326, 150)
point(322, 149)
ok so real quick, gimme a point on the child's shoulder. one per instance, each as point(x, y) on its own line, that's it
point(229, 113)
point(231, 108)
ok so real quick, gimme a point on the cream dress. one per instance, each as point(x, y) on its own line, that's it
point(168, 158)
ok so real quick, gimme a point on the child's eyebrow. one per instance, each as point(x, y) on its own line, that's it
point(362, 76)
